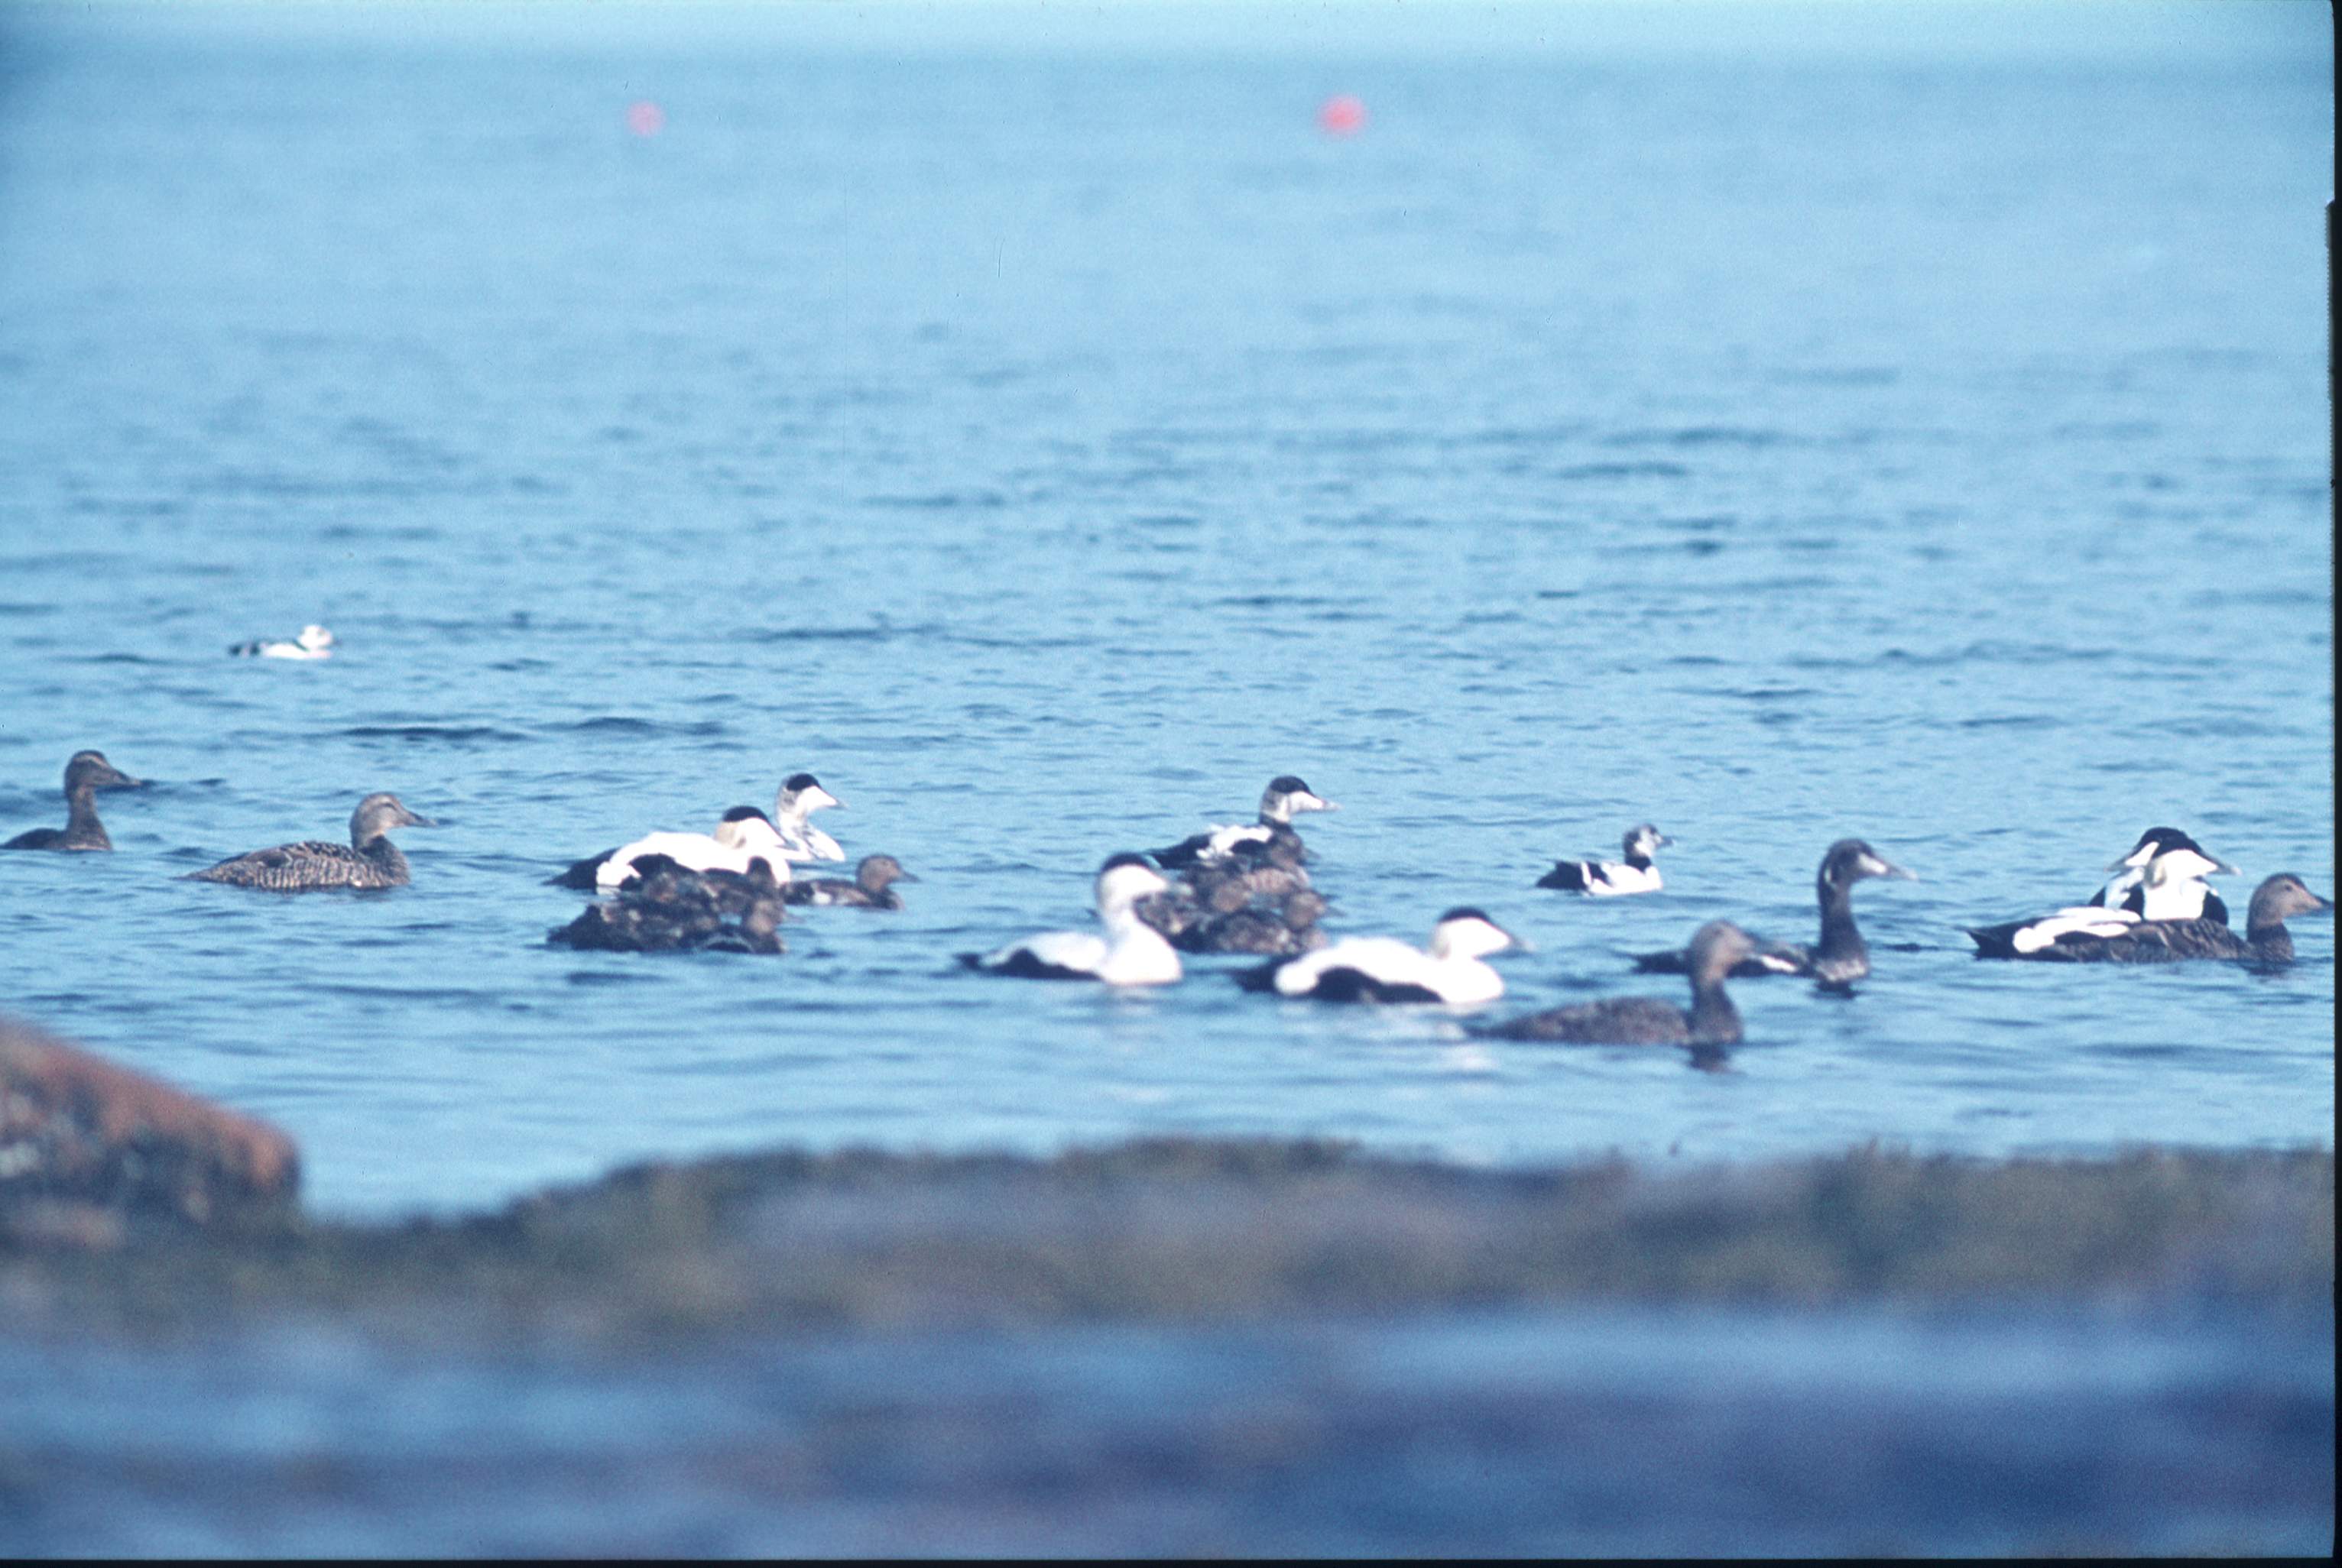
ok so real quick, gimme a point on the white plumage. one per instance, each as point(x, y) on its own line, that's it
point(800, 796)
point(1127, 952)
point(741, 839)
point(1384, 969)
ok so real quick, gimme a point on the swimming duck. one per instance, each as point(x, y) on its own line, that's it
point(1259, 873)
point(670, 907)
point(1840, 957)
point(1130, 953)
point(1285, 795)
point(872, 887)
point(85, 774)
point(368, 859)
point(1447, 968)
point(1261, 868)
point(743, 835)
point(1608, 878)
point(2171, 889)
point(2180, 893)
point(312, 642)
point(800, 796)
point(1286, 927)
point(1716, 951)
point(2120, 936)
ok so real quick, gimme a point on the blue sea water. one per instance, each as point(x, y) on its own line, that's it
point(1779, 424)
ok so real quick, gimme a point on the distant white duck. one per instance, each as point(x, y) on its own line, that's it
point(313, 643)
point(1609, 878)
point(1285, 795)
point(1128, 952)
point(1447, 969)
point(800, 796)
point(743, 838)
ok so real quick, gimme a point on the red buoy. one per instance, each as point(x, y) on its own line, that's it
point(1343, 115)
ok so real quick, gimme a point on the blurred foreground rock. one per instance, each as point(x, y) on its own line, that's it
point(88, 1148)
point(1178, 1230)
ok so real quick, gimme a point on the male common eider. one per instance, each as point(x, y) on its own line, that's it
point(1285, 795)
point(1715, 949)
point(873, 886)
point(1608, 878)
point(668, 907)
point(2120, 936)
point(1447, 968)
point(1840, 957)
point(313, 643)
point(1130, 953)
point(2171, 889)
point(85, 774)
point(744, 835)
point(2177, 892)
point(800, 796)
point(368, 859)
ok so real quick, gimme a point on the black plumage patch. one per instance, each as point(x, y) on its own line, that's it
point(1567, 874)
point(1341, 983)
point(580, 874)
point(1022, 965)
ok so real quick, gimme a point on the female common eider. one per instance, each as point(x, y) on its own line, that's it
point(1840, 957)
point(2179, 891)
point(1715, 949)
point(368, 859)
point(85, 774)
point(1609, 878)
point(800, 796)
point(873, 886)
point(1130, 953)
point(1259, 868)
point(744, 835)
point(1284, 928)
point(2120, 936)
point(668, 907)
point(2171, 888)
point(1286, 795)
point(1447, 968)
point(313, 643)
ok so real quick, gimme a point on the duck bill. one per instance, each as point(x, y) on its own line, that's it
point(412, 820)
point(1881, 866)
point(818, 797)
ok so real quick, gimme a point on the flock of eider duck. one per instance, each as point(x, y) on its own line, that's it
point(1244, 888)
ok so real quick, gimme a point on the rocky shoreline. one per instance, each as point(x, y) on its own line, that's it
point(158, 1214)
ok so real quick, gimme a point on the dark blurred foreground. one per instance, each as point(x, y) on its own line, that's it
point(1180, 1346)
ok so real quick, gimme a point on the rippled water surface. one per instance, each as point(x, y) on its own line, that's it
point(1046, 445)
point(1777, 425)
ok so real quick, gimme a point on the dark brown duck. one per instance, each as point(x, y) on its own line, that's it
point(85, 774)
point(368, 859)
point(1711, 1020)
